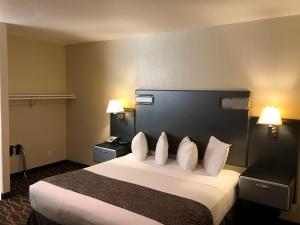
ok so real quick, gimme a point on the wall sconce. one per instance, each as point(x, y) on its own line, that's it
point(116, 107)
point(271, 116)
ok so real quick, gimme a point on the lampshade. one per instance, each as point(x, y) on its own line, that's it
point(270, 115)
point(114, 106)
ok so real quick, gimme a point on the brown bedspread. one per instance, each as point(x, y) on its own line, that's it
point(159, 206)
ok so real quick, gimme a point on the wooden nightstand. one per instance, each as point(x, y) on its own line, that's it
point(106, 151)
point(268, 185)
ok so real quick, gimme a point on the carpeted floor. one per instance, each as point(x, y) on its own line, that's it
point(15, 209)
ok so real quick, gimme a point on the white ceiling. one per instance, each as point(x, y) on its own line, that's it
point(75, 21)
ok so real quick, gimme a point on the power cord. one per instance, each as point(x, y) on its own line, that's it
point(23, 155)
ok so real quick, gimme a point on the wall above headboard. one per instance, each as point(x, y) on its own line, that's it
point(197, 114)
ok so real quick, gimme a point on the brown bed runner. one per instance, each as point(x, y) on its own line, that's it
point(159, 206)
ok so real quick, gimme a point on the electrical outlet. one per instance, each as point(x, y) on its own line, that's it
point(50, 154)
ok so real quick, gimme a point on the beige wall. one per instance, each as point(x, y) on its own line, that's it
point(37, 67)
point(4, 114)
point(261, 56)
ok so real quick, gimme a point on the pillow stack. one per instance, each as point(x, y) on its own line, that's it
point(187, 154)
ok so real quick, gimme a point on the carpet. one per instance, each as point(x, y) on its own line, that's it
point(15, 209)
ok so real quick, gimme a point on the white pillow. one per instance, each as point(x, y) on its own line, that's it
point(161, 151)
point(139, 146)
point(215, 156)
point(179, 150)
point(188, 157)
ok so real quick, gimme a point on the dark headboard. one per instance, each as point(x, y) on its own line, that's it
point(197, 114)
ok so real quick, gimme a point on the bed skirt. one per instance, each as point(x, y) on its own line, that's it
point(35, 218)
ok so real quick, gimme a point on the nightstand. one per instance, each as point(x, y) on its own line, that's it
point(268, 185)
point(106, 151)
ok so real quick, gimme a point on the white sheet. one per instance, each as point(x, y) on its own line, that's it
point(67, 207)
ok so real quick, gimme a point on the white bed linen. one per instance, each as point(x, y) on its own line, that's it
point(218, 194)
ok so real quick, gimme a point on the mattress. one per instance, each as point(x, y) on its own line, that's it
point(63, 206)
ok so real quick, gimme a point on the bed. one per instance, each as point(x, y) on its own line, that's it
point(63, 206)
point(127, 191)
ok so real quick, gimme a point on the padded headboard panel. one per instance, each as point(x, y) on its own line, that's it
point(197, 114)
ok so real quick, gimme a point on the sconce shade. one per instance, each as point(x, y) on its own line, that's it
point(270, 115)
point(114, 106)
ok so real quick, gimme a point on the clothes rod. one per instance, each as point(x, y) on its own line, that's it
point(40, 97)
point(33, 98)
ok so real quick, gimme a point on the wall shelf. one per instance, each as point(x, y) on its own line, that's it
point(34, 97)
